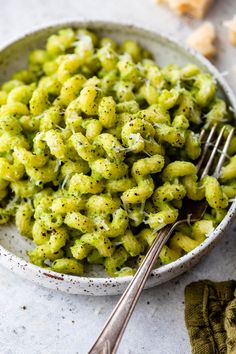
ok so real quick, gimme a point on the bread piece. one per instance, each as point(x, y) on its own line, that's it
point(232, 30)
point(194, 8)
point(202, 39)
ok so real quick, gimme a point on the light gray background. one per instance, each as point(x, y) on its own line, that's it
point(35, 320)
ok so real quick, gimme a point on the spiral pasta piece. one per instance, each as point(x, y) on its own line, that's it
point(27, 158)
point(107, 112)
point(228, 171)
point(96, 240)
point(83, 184)
point(104, 168)
point(134, 134)
point(78, 221)
point(11, 172)
point(214, 194)
point(178, 169)
point(24, 221)
point(167, 215)
point(93, 129)
point(82, 146)
point(67, 266)
point(140, 170)
point(117, 226)
point(112, 147)
point(113, 265)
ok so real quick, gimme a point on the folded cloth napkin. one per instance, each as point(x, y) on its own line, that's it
point(210, 316)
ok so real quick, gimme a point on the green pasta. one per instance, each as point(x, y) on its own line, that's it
point(98, 149)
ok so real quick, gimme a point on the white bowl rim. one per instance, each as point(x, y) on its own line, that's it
point(7, 258)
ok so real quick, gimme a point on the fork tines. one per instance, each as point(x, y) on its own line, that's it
point(216, 142)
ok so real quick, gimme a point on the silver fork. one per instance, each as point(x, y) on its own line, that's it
point(109, 339)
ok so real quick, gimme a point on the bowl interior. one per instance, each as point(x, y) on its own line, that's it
point(165, 51)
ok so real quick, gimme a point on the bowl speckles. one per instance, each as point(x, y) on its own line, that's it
point(13, 247)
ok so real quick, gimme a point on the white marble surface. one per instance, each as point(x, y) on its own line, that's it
point(34, 320)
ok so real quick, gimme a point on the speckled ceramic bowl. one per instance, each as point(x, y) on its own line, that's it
point(13, 247)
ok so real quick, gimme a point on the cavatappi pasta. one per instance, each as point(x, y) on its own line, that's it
point(98, 148)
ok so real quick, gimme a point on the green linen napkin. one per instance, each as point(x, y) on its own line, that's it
point(210, 316)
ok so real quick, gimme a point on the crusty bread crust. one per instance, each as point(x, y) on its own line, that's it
point(232, 30)
point(202, 39)
point(194, 8)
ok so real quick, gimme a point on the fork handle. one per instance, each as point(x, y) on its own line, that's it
point(109, 339)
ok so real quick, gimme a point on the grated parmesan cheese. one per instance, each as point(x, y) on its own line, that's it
point(202, 39)
point(106, 227)
point(197, 9)
point(232, 30)
point(65, 181)
point(188, 220)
